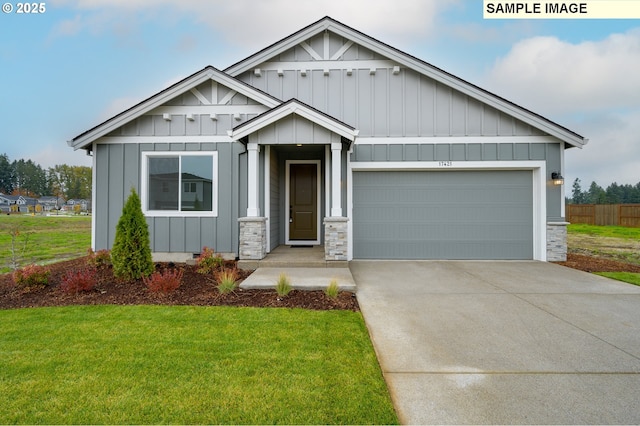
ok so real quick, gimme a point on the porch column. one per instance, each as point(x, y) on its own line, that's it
point(253, 180)
point(336, 172)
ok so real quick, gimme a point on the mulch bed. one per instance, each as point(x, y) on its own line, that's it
point(200, 290)
point(597, 264)
point(196, 289)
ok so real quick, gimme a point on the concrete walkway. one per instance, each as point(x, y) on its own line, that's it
point(503, 342)
point(301, 278)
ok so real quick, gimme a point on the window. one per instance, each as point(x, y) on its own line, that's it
point(180, 184)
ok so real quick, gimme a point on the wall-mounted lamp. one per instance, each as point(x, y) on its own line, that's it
point(557, 178)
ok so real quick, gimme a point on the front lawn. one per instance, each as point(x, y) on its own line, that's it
point(188, 365)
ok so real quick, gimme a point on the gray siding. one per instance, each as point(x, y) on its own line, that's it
point(118, 170)
point(293, 130)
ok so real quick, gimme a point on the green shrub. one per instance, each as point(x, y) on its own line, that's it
point(209, 261)
point(31, 276)
point(131, 252)
point(165, 281)
point(227, 280)
point(283, 285)
point(332, 289)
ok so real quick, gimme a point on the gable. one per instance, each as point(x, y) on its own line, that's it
point(208, 102)
point(382, 91)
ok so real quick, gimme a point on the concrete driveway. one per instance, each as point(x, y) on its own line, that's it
point(503, 342)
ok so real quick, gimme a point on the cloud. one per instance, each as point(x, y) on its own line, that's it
point(249, 22)
point(613, 151)
point(553, 76)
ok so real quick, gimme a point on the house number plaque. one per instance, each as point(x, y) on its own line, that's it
point(445, 163)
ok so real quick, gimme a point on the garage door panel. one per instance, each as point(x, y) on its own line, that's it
point(443, 215)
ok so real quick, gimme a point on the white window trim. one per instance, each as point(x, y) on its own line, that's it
point(144, 192)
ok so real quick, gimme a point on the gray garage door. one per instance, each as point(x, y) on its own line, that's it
point(443, 214)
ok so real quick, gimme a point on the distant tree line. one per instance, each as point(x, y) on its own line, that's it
point(614, 194)
point(20, 177)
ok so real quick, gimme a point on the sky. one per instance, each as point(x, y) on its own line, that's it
point(80, 62)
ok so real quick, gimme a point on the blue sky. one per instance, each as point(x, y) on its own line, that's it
point(83, 61)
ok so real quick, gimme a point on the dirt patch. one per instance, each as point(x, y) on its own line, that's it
point(196, 289)
point(621, 249)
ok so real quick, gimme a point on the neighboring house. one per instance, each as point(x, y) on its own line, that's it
point(331, 137)
point(74, 204)
point(51, 202)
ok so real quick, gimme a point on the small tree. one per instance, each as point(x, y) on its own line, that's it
point(131, 252)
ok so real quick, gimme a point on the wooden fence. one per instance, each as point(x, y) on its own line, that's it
point(604, 214)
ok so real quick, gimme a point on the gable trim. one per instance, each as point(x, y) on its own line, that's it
point(288, 108)
point(208, 73)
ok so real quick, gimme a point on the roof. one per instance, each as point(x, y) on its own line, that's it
point(295, 107)
point(329, 24)
point(207, 73)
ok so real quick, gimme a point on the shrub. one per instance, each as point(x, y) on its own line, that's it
point(131, 252)
point(283, 285)
point(99, 259)
point(80, 280)
point(31, 276)
point(208, 261)
point(227, 280)
point(164, 281)
point(332, 289)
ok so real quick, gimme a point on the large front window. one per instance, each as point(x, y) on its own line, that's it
point(183, 184)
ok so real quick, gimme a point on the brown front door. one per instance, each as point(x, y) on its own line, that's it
point(303, 200)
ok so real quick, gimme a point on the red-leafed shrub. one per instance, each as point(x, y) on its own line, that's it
point(31, 276)
point(80, 280)
point(208, 261)
point(99, 259)
point(165, 281)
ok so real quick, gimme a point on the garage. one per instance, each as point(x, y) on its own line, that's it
point(468, 214)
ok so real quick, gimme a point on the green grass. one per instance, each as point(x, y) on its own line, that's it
point(605, 231)
point(50, 238)
point(627, 277)
point(205, 365)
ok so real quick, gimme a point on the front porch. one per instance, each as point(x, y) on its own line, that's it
point(293, 257)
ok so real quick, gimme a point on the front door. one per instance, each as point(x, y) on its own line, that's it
point(303, 202)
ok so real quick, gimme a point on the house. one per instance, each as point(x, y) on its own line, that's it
point(50, 202)
point(331, 137)
point(77, 204)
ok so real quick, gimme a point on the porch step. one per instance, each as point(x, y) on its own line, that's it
point(301, 278)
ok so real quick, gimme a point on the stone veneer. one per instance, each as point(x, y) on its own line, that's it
point(557, 241)
point(335, 238)
point(253, 238)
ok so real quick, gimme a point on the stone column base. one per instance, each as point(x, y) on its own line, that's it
point(557, 241)
point(336, 238)
point(253, 238)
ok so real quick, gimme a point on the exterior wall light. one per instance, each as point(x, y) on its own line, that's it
point(557, 178)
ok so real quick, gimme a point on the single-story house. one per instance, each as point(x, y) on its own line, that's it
point(331, 137)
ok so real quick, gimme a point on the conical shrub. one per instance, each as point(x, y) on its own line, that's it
point(131, 252)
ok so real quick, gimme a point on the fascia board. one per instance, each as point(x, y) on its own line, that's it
point(165, 96)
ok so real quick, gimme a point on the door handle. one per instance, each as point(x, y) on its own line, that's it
point(290, 214)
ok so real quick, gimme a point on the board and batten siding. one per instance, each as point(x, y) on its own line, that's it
point(118, 170)
point(361, 89)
